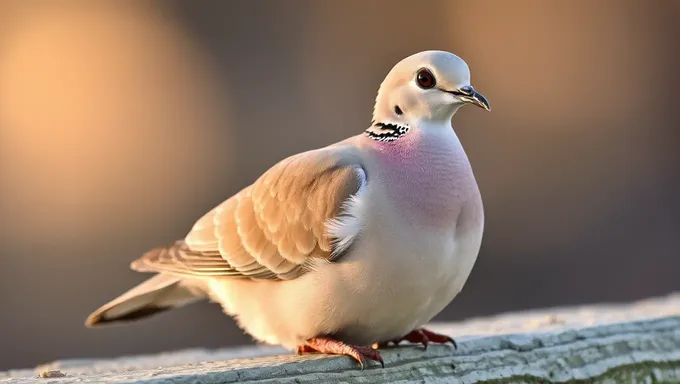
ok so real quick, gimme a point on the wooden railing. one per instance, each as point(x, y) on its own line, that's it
point(637, 342)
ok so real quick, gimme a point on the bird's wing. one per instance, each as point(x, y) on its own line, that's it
point(274, 228)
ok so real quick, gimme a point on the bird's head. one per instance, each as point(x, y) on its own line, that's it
point(427, 86)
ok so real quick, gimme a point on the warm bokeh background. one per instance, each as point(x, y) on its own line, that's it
point(122, 123)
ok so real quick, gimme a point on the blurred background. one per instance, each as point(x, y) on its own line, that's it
point(121, 123)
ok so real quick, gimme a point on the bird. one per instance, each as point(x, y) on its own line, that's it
point(342, 249)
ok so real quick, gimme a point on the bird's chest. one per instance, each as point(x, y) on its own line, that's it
point(425, 179)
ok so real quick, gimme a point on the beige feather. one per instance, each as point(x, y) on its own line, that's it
point(272, 228)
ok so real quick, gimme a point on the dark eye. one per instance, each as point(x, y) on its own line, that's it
point(425, 79)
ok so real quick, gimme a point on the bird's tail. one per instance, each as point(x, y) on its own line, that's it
point(157, 294)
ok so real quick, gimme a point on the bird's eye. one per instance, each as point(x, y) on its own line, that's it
point(425, 79)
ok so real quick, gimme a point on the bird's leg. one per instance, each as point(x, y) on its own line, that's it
point(335, 347)
point(422, 336)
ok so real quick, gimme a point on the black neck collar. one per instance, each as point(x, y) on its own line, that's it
point(386, 131)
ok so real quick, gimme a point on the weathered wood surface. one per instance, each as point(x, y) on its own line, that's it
point(637, 342)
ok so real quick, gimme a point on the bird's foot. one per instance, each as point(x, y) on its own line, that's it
point(335, 347)
point(422, 336)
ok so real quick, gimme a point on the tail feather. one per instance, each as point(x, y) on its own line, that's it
point(157, 294)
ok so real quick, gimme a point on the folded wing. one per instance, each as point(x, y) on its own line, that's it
point(272, 229)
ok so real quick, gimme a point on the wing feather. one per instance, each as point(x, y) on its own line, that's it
point(272, 229)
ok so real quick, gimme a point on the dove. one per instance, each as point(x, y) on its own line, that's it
point(342, 249)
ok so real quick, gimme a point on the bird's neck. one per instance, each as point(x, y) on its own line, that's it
point(418, 145)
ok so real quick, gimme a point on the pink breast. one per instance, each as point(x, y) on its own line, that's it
point(428, 177)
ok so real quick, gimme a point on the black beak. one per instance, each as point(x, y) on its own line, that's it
point(477, 99)
point(467, 94)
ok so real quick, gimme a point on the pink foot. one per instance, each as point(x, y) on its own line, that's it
point(335, 347)
point(422, 336)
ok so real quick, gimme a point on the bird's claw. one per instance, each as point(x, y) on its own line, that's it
point(336, 347)
point(424, 337)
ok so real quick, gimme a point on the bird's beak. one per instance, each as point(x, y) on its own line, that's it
point(474, 98)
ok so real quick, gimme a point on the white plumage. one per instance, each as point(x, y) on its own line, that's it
point(334, 249)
